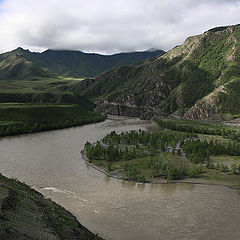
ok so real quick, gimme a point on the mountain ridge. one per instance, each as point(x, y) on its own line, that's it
point(180, 80)
point(71, 63)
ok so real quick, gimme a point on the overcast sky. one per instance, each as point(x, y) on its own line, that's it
point(109, 26)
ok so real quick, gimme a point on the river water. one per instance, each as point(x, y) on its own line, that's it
point(51, 163)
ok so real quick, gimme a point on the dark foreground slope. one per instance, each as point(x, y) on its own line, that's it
point(199, 79)
point(26, 215)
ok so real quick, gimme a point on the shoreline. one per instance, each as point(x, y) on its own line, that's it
point(185, 181)
point(90, 121)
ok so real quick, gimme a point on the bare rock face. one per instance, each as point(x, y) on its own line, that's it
point(201, 110)
point(207, 107)
point(119, 109)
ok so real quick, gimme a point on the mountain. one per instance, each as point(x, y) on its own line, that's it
point(79, 64)
point(14, 66)
point(198, 79)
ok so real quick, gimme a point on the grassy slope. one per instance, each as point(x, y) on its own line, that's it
point(15, 67)
point(26, 215)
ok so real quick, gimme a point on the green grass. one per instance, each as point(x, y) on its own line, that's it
point(213, 175)
point(141, 164)
point(202, 124)
point(207, 130)
point(220, 177)
point(228, 160)
point(72, 78)
point(33, 105)
point(38, 85)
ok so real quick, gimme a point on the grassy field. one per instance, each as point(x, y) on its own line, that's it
point(32, 105)
point(200, 124)
point(26, 215)
point(208, 130)
point(38, 85)
point(39, 103)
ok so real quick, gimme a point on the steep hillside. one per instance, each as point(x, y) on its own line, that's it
point(200, 78)
point(26, 215)
point(79, 64)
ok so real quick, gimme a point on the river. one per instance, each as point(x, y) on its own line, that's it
point(51, 163)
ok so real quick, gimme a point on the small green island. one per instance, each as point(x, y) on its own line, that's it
point(180, 150)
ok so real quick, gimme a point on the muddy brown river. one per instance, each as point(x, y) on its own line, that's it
point(51, 163)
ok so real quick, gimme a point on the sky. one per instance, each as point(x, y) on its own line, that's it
point(109, 26)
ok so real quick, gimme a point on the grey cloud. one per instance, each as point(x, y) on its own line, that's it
point(109, 26)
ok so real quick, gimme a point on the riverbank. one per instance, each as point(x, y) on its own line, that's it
point(118, 176)
point(165, 156)
point(20, 118)
point(25, 214)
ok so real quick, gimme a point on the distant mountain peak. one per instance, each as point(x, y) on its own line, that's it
point(152, 50)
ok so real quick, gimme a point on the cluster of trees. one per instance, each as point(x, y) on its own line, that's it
point(224, 132)
point(155, 141)
point(196, 150)
point(139, 144)
point(199, 151)
point(30, 127)
point(99, 151)
point(161, 166)
point(234, 168)
point(111, 153)
point(133, 148)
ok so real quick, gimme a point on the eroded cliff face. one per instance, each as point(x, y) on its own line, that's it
point(207, 107)
point(114, 108)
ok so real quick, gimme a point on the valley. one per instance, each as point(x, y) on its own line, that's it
point(39, 99)
point(140, 117)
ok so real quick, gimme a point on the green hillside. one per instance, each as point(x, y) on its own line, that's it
point(198, 79)
point(26, 215)
point(16, 67)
